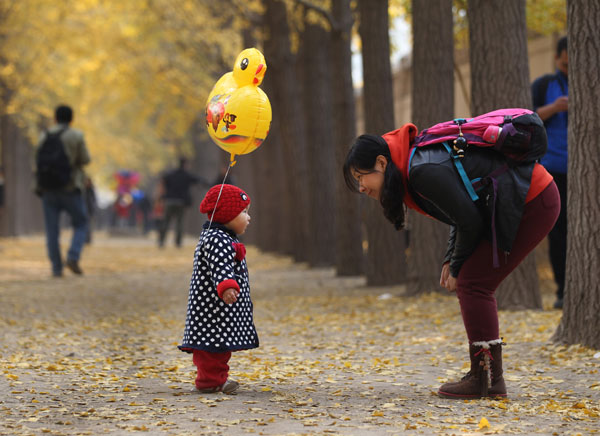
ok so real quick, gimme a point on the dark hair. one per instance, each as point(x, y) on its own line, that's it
point(182, 162)
point(561, 45)
point(362, 157)
point(63, 114)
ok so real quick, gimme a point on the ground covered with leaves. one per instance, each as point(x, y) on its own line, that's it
point(97, 354)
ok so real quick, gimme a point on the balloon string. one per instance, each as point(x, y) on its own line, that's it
point(219, 196)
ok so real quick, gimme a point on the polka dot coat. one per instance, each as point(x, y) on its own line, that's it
point(211, 324)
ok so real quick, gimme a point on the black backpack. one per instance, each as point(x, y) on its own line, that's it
point(53, 167)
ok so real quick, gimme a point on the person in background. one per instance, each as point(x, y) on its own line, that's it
point(176, 198)
point(60, 181)
point(551, 102)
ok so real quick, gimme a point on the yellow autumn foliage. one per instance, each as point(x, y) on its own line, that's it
point(137, 73)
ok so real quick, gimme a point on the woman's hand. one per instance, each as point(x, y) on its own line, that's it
point(446, 280)
point(451, 284)
point(230, 296)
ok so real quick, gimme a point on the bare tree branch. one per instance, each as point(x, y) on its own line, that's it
point(332, 22)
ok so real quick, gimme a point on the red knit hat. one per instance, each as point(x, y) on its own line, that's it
point(233, 200)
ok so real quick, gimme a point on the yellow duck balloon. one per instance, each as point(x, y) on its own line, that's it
point(238, 112)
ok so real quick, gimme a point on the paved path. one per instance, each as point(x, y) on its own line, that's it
point(97, 355)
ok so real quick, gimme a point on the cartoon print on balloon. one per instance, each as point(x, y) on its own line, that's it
point(238, 112)
point(228, 120)
point(214, 112)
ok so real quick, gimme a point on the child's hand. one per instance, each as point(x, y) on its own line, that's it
point(230, 296)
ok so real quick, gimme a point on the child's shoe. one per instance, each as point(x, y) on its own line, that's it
point(229, 387)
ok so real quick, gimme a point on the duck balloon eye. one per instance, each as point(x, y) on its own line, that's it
point(244, 64)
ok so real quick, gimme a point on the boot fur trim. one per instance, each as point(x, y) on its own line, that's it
point(487, 344)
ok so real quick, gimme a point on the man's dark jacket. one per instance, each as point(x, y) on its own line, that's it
point(177, 185)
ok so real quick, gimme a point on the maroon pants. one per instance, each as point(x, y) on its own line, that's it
point(212, 368)
point(478, 279)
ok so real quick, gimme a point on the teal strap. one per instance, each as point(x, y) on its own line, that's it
point(412, 153)
point(462, 173)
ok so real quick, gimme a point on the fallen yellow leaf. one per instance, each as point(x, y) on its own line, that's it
point(484, 423)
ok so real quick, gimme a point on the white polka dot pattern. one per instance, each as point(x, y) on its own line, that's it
point(211, 324)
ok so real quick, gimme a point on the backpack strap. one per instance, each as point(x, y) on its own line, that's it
point(472, 185)
point(480, 183)
point(62, 129)
point(561, 83)
point(57, 133)
point(539, 89)
point(461, 172)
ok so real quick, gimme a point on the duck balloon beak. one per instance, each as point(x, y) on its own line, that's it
point(260, 69)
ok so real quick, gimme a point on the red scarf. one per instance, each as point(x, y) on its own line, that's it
point(399, 142)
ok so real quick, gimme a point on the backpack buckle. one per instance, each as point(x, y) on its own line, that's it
point(460, 144)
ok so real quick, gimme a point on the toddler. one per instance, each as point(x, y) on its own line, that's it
point(219, 313)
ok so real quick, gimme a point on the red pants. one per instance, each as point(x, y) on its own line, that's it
point(478, 279)
point(212, 368)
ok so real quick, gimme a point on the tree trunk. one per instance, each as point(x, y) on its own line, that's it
point(275, 202)
point(20, 212)
point(249, 180)
point(285, 102)
point(581, 320)
point(348, 241)
point(432, 102)
point(316, 66)
point(500, 79)
point(386, 258)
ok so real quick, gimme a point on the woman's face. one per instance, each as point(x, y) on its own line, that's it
point(370, 182)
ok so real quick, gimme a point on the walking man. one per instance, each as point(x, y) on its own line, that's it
point(60, 181)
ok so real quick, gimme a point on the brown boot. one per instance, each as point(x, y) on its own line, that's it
point(485, 377)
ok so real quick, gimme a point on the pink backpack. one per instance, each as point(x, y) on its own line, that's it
point(517, 133)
